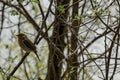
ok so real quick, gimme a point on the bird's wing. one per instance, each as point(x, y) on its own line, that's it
point(29, 44)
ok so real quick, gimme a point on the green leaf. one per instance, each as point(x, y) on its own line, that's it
point(13, 12)
point(61, 9)
point(78, 17)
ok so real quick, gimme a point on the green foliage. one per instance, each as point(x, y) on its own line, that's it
point(87, 76)
point(13, 12)
point(12, 59)
point(36, 1)
point(61, 9)
point(2, 74)
point(78, 17)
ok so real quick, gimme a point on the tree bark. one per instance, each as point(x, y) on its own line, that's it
point(73, 60)
point(57, 42)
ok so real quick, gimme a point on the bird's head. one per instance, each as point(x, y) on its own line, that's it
point(21, 35)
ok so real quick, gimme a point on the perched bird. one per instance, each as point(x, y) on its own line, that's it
point(26, 44)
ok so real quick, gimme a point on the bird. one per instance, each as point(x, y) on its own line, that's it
point(26, 44)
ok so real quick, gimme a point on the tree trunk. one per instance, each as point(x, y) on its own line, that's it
point(56, 42)
point(73, 60)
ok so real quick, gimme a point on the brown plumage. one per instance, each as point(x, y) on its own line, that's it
point(26, 44)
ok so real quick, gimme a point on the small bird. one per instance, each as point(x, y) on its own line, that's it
point(26, 44)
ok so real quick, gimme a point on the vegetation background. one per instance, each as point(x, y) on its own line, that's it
point(75, 39)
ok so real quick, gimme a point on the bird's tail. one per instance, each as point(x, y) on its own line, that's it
point(37, 55)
